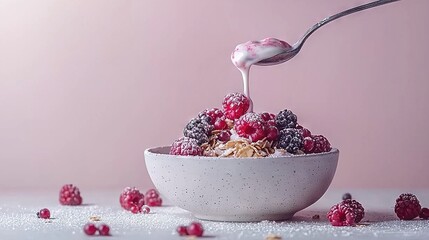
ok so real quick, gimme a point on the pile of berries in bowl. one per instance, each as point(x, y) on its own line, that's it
point(214, 132)
point(235, 165)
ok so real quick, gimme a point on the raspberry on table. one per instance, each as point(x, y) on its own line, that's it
point(346, 213)
point(195, 229)
point(44, 213)
point(407, 206)
point(321, 144)
point(186, 146)
point(235, 105)
point(89, 229)
point(250, 126)
point(286, 119)
point(198, 129)
point(70, 195)
point(182, 230)
point(104, 230)
point(131, 199)
point(290, 140)
point(152, 198)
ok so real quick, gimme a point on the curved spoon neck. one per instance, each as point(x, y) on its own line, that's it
point(339, 15)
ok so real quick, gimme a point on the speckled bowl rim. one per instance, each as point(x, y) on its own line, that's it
point(155, 151)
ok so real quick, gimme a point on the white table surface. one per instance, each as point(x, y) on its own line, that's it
point(18, 219)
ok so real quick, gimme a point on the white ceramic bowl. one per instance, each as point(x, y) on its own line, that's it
point(241, 189)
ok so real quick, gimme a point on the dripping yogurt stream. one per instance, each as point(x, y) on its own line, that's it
point(251, 52)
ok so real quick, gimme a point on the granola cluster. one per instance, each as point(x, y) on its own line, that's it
point(238, 148)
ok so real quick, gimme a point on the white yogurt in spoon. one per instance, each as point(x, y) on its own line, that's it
point(249, 53)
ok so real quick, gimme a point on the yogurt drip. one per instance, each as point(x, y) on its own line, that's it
point(249, 53)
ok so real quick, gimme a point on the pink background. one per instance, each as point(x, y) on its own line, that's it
point(86, 86)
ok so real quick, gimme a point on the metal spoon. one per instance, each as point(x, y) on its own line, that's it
point(292, 52)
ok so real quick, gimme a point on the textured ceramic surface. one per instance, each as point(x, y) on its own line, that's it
point(241, 189)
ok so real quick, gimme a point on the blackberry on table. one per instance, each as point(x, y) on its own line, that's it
point(290, 140)
point(347, 196)
point(286, 119)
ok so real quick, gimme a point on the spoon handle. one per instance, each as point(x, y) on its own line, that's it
point(338, 15)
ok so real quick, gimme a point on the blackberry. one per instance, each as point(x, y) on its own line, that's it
point(198, 129)
point(290, 140)
point(286, 119)
point(205, 117)
point(347, 196)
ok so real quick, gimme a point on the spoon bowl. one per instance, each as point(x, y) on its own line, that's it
point(292, 52)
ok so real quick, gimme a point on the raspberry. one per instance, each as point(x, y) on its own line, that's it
point(308, 145)
point(271, 130)
point(70, 195)
point(424, 213)
point(44, 213)
point(250, 126)
point(198, 129)
point(346, 213)
point(235, 105)
point(186, 146)
point(407, 206)
point(131, 199)
point(220, 124)
point(321, 144)
point(286, 119)
point(268, 116)
point(290, 140)
point(224, 136)
point(195, 229)
point(152, 198)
